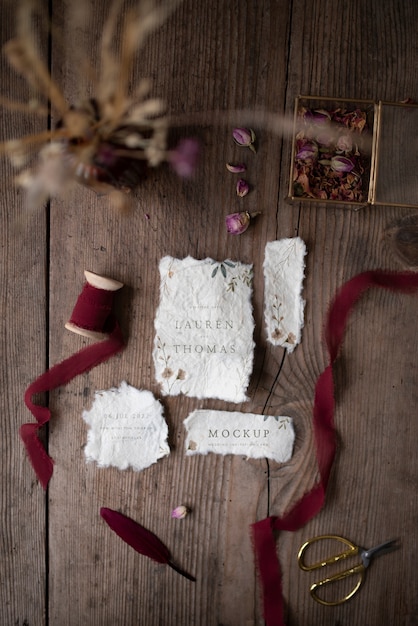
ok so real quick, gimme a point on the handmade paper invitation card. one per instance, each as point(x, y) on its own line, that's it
point(283, 277)
point(204, 328)
point(248, 434)
point(127, 429)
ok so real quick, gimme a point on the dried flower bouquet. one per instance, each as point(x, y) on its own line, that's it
point(107, 142)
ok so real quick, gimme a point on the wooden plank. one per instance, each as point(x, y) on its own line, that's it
point(23, 327)
point(371, 497)
point(212, 59)
point(225, 494)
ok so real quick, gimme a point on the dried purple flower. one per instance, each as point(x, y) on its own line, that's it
point(244, 137)
point(180, 512)
point(339, 169)
point(319, 116)
point(341, 164)
point(237, 223)
point(242, 188)
point(183, 159)
point(236, 168)
point(308, 151)
point(344, 143)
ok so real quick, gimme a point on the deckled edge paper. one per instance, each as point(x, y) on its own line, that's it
point(231, 432)
point(284, 267)
point(127, 428)
point(204, 328)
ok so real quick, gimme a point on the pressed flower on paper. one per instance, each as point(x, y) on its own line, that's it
point(233, 274)
point(222, 266)
point(169, 375)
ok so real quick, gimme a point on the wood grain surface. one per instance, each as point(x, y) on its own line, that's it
point(216, 63)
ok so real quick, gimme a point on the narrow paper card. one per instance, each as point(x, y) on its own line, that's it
point(127, 429)
point(283, 304)
point(204, 328)
point(225, 432)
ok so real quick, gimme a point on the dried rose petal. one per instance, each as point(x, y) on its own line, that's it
point(321, 114)
point(303, 180)
point(236, 168)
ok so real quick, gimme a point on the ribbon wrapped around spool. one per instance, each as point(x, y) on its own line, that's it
point(92, 317)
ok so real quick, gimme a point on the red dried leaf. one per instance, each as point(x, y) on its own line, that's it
point(140, 539)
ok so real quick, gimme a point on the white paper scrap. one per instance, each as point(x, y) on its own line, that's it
point(127, 429)
point(249, 434)
point(204, 328)
point(283, 304)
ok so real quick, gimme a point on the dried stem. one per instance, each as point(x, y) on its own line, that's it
point(182, 572)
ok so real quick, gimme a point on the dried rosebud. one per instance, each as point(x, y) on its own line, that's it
point(242, 188)
point(237, 223)
point(321, 114)
point(244, 137)
point(183, 159)
point(341, 164)
point(237, 168)
point(179, 512)
point(344, 143)
point(307, 151)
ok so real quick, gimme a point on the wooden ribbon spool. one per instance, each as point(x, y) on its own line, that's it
point(93, 306)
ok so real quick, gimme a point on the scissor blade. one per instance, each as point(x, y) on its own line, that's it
point(383, 548)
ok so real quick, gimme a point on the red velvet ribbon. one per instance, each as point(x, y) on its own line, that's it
point(92, 312)
point(264, 531)
point(93, 309)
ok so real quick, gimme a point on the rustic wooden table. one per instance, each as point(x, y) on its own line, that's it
point(60, 564)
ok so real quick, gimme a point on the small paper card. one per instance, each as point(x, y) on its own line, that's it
point(204, 329)
point(127, 429)
point(255, 436)
point(283, 275)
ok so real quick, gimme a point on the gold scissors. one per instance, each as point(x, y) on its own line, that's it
point(352, 549)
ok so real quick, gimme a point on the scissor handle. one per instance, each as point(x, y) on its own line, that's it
point(330, 560)
point(357, 569)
